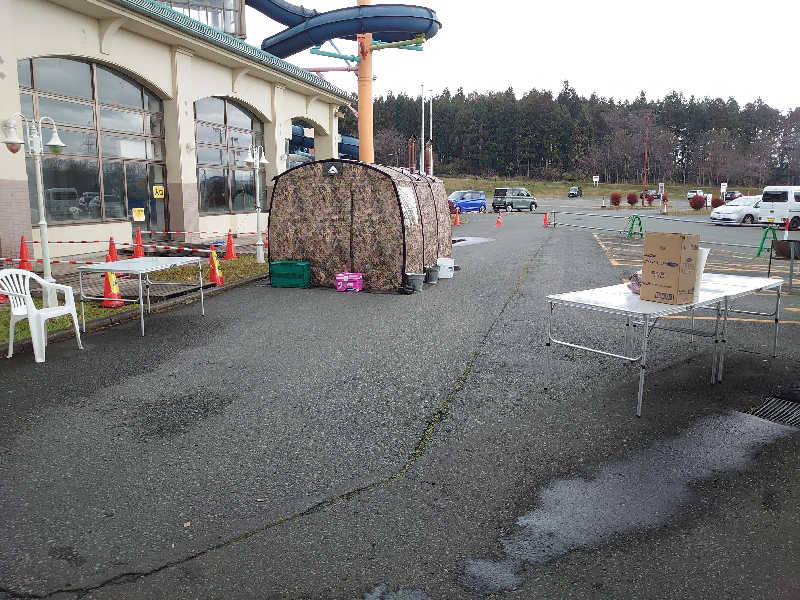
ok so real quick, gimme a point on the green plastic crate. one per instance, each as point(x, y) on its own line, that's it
point(290, 273)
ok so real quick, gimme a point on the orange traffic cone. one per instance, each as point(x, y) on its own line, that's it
point(499, 222)
point(215, 273)
point(457, 222)
point(138, 249)
point(112, 298)
point(230, 249)
point(112, 251)
point(546, 222)
point(24, 256)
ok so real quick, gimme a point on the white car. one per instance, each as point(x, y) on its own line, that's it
point(692, 193)
point(742, 210)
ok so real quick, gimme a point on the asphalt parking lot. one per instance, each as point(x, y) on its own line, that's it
point(307, 444)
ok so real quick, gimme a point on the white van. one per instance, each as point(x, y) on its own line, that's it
point(779, 202)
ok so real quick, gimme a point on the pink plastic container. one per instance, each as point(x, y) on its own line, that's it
point(349, 282)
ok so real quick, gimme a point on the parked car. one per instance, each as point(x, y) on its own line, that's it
point(575, 192)
point(732, 195)
point(468, 201)
point(62, 204)
point(692, 193)
point(513, 198)
point(653, 193)
point(741, 210)
point(779, 202)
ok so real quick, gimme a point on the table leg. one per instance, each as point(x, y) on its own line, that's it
point(548, 348)
point(627, 335)
point(200, 277)
point(141, 304)
point(777, 311)
point(691, 340)
point(83, 310)
point(723, 342)
point(715, 358)
point(147, 287)
point(643, 365)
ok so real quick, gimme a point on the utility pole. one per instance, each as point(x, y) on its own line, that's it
point(644, 180)
point(422, 136)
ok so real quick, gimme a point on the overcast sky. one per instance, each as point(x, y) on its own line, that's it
point(615, 48)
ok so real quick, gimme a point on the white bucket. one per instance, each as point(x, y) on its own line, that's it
point(445, 268)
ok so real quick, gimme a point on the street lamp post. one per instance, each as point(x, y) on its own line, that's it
point(257, 160)
point(430, 113)
point(14, 142)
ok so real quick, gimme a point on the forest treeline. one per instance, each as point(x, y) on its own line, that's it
point(570, 137)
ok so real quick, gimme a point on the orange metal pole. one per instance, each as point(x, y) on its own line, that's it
point(366, 149)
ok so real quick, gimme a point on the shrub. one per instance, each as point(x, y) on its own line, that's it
point(616, 198)
point(717, 202)
point(632, 198)
point(664, 198)
point(697, 202)
point(649, 199)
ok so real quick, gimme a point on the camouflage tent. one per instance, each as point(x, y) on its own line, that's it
point(344, 215)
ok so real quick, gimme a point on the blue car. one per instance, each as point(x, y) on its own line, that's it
point(468, 200)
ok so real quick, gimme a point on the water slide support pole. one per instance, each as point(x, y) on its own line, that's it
point(366, 149)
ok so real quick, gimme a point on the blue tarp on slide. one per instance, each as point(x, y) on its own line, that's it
point(308, 28)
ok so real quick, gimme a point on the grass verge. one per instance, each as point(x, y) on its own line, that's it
point(233, 270)
point(676, 193)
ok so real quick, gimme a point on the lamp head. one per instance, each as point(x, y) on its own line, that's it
point(249, 160)
point(263, 162)
point(13, 140)
point(55, 145)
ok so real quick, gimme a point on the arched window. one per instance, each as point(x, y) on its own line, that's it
point(113, 129)
point(224, 133)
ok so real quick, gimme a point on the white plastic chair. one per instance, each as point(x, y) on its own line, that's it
point(15, 283)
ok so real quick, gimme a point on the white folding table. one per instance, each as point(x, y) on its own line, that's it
point(716, 292)
point(141, 267)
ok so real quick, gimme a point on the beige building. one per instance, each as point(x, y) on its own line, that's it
point(157, 110)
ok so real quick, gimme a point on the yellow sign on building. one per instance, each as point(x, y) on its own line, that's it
point(138, 214)
point(158, 192)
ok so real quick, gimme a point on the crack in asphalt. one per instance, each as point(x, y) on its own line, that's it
point(417, 452)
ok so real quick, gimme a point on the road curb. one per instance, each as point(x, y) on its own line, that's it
point(130, 315)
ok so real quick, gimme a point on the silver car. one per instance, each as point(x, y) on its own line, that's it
point(742, 210)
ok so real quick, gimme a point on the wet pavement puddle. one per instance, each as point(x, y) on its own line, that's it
point(382, 592)
point(639, 493)
point(471, 241)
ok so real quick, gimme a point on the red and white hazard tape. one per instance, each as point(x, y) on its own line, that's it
point(178, 248)
point(200, 232)
point(55, 262)
point(143, 232)
point(77, 242)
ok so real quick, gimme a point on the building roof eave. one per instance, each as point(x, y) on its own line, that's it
point(171, 18)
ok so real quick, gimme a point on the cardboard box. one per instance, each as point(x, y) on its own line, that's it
point(669, 267)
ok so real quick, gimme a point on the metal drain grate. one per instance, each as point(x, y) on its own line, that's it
point(779, 411)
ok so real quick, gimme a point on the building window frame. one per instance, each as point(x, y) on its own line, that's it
point(231, 155)
point(154, 145)
point(231, 12)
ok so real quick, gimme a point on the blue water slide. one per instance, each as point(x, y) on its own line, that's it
point(386, 22)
